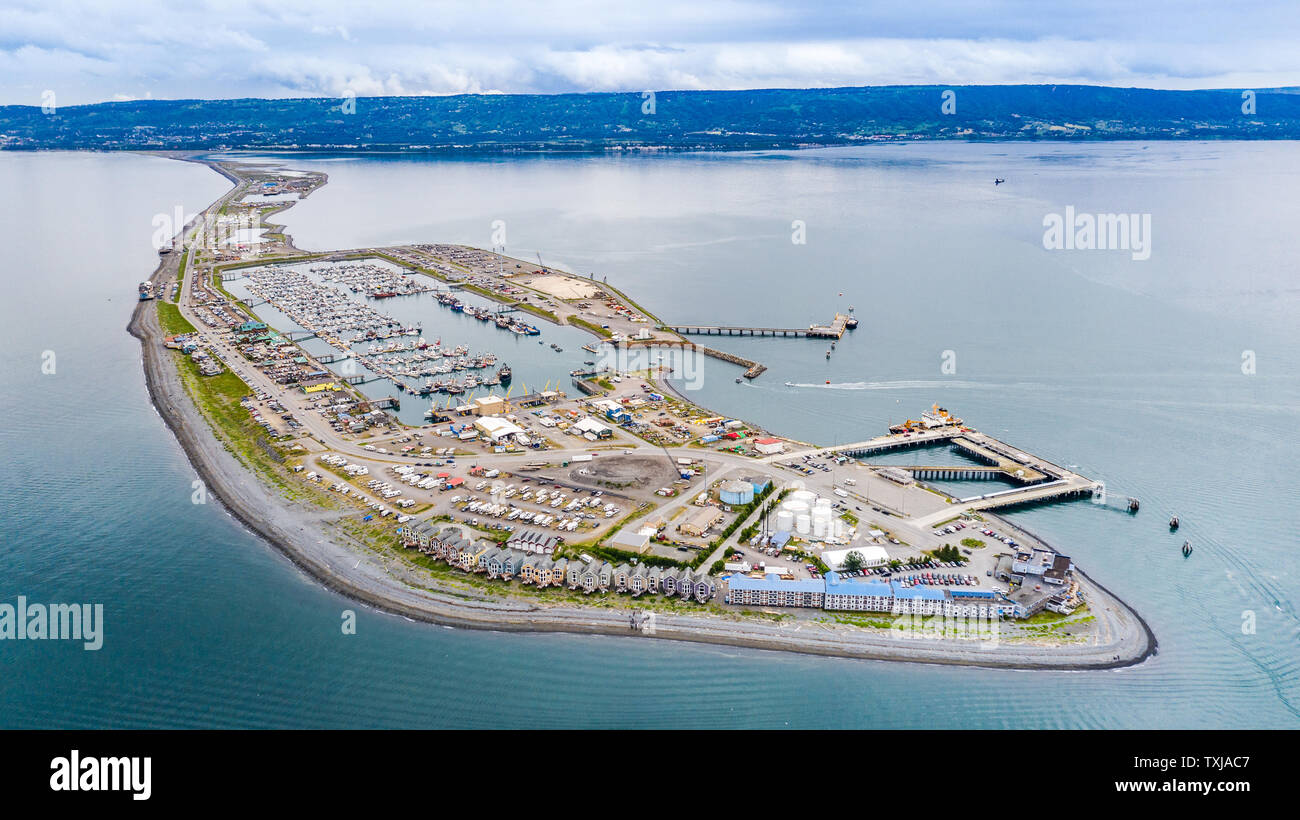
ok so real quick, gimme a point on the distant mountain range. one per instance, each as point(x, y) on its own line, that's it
point(770, 118)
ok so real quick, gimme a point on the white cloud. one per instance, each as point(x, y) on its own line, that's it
point(91, 51)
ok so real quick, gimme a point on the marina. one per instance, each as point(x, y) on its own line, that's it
point(333, 302)
point(370, 280)
point(327, 312)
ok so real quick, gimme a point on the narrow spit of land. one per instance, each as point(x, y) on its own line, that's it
point(311, 537)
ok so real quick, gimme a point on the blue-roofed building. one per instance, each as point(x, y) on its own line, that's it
point(772, 590)
point(780, 538)
point(971, 592)
point(861, 596)
point(965, 602)
point(917, 600)
point(835, 592)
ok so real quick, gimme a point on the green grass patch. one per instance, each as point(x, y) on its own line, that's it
point(864, 621)
point(171, 320)
point(602, 332)
point(217, 398)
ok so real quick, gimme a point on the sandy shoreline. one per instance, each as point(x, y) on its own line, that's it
point(304, 535)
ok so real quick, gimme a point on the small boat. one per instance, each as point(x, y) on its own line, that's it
point(1133, 505)
point(738, 381)
point(1187, 548)
point(1173, 523)
point(504, 374)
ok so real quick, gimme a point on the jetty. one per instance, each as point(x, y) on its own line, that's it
point(1041, 481)
point(834, 330)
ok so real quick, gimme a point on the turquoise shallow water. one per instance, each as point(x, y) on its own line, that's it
point(1129, 371)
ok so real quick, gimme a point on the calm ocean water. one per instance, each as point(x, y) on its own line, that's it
point(1131, 371)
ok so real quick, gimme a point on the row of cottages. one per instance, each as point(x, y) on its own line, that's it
point(543, 571)
point(418, 535)
point(687, 584)
point(683, 583)
point(449, 544)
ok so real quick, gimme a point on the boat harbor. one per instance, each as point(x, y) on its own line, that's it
point(370, 280)
point(326, 301)
point(327, 312)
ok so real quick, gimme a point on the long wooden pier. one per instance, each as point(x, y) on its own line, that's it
point(834, 330)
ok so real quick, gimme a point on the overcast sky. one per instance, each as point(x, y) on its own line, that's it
point(88, 51)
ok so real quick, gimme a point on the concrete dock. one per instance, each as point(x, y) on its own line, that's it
point(1042, 481)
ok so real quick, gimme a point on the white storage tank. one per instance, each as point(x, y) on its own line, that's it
point(802, 523)
point(795, 507)
point(821, 520)
point(784, 521)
